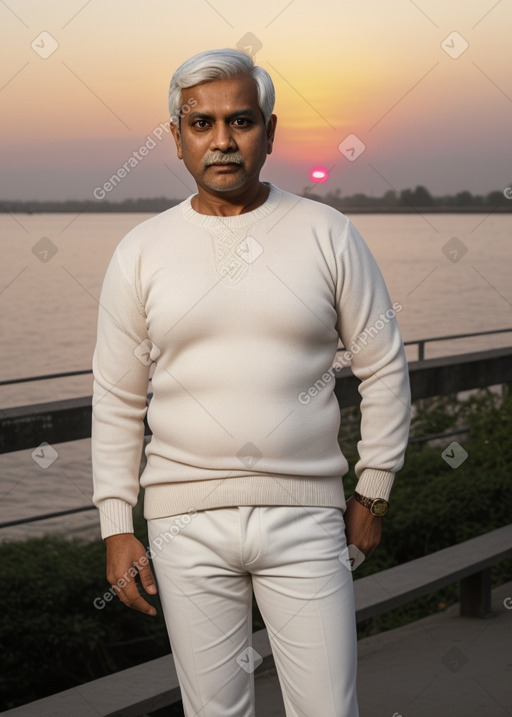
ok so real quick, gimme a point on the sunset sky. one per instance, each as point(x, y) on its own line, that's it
point(426, 86)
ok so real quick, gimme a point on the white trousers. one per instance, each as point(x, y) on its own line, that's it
point(295, 559)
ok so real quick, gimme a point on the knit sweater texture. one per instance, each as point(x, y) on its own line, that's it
point(233, 324)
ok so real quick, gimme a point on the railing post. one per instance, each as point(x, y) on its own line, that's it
point(475, 594)
point(421, 350)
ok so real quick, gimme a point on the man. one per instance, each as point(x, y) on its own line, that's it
point(237, 298)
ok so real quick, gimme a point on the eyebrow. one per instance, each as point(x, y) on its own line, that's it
point(239, 113)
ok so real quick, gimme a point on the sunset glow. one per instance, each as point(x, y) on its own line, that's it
point(427, 92)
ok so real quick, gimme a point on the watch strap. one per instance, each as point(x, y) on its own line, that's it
point(376, 506)
point(367, 502)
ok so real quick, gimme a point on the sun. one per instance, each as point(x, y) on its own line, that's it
point(319, 175)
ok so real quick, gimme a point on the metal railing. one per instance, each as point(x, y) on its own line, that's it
point(46, 516)
point(45, 377)
point(420, 343)
point(57, 514)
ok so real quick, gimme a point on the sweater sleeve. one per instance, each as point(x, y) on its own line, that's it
point(368, 327)
point(121, 371)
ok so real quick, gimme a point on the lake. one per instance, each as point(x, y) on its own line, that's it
point(450, 272)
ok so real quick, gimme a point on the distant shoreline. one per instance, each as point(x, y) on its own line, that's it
point(417, 201)
point(344, 210)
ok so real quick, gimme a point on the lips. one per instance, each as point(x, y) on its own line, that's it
point(225, 164)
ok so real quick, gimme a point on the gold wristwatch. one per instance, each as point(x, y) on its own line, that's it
point(376, 506)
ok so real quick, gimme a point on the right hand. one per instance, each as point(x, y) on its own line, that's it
point(124, 551)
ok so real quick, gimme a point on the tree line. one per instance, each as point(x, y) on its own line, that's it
point(404, 201)
point(419, 199)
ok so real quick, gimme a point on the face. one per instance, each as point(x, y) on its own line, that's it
point(223, 140)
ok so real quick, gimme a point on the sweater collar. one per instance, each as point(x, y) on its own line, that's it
point(239, 221)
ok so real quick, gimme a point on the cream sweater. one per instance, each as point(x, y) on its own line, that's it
point(238, 320)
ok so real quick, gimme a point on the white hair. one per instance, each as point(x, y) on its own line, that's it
point(219, 65)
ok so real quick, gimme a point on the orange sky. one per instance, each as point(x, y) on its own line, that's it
point(429, 109)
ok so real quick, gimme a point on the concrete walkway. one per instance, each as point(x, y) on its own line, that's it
point(441, 666)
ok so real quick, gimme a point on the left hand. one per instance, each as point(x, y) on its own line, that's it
point(362, 528)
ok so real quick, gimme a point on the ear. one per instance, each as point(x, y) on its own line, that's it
point(271, 130)
point(177, 138)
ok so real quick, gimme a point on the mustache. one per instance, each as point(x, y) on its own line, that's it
point(222, 158)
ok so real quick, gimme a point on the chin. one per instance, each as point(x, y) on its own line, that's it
point(227, 187)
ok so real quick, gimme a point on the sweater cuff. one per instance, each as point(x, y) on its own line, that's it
point(375, 484)
point(116, 516)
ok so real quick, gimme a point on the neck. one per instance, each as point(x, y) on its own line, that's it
point(226, 205)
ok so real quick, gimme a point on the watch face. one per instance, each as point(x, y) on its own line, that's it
point(379, 507)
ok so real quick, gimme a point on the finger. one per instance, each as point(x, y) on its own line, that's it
point(131, 597)
point(147, 580)
point(122, 597)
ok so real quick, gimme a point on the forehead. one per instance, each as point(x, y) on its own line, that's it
point(223, 96)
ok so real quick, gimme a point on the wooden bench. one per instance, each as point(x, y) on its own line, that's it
point(469, 562)
point(153, 685)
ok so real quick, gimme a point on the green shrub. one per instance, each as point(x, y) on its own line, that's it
point(433, 506)
point(53, 637)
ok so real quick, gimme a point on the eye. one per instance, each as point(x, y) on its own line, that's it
point(242, 122)
point(200, 124)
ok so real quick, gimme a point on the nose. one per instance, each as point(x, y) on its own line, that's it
point(222, 138)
